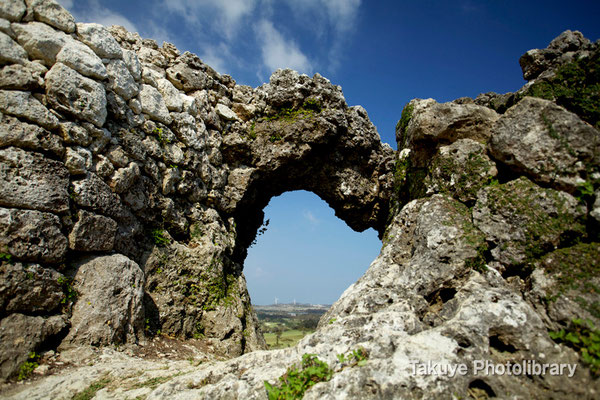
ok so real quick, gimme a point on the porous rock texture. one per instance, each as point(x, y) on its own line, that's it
point(134, 179)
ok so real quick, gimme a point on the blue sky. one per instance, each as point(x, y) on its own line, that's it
point(382, 53)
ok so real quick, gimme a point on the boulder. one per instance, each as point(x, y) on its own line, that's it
point(81, 58)
point(100, 40)
point(92, 232)
point(433, 122)
point(27, 136)
point(120, 80)
point(109, 307)
point(78, 160)
point(41, 41)
point(133, 64)
point(523, 221)
point(24, 105)
point(94, 194)
point(10, 51)
point(31, 181)
point(32, 235)
point(12, 10)
point(20, 335)
point(52, 13)
point(187, 79)
point(549, 144)
point(154, 105)
point(29, 289)
point(72, 93)
point(22, 77)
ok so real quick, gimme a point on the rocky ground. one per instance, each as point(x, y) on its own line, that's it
point(133, 178)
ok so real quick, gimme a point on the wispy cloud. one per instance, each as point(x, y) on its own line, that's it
point(68, 4)
point(229, 13)
point(93, 11)
point(310, 217)
point(277, 52)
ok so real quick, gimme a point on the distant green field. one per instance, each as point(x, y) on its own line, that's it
point(287, 339)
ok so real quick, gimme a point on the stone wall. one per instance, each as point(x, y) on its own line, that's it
point(133, 178)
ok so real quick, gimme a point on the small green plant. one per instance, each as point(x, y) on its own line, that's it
point(331, 321)
point(584, 190)
point(252, 133)
point(159, 238)
point(70, 294)
point(6, 257)
point(583, 336)
point(27, 368)
point(275, 138)
point(162, 138)
point(91, 390)
point(402, 124)
point(308, 109)
point(296, 381)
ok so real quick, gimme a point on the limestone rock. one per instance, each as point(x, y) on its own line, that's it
point(72, 93)
point(100, 40)
point(29, 180)
point(73, 133)
point(595, 212)
point(27, 136)
point(23, 104)
point(81, 58)
point(171, 95)
point(20, 77)
point(92, 233)
point(52, 13)
point(78, 160)
point(109, 308)
point(547, 143)
point(524, 221)
point(41, 41)
point(460, 169)
point(434, 122)
point(154, 105)
point(123, 178)
point(187, 79)
point(20, 335)
point(92, 193)
point(133, 64)
point(225, 112)
point(120, 80)
point(12, 10)
point(11, 52)
point(32, 235)
point(29, 288)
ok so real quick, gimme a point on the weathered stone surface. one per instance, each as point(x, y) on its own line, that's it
point(81, 58)
point(123, 178)
point(171, 95)
point(32, 235)
point(460, 169)
point(12, 10)
point(547, 143)
point(133, 64)
point(20, 77)
point(154, 105)
point(120, 80)
point(561, 49)
point(524, 221)
point(93, 233)
point(109, 308)
point(52, 13)
point(29, 180)
point(92, 193)
point(99, 39)
point(72, 93)
point(20, 335)
point(10, 51)
point(23, 104)
point(73, 133)
point(225, 112)
point(435, 122)
point(187, 79)
point(29, 288)
point(27, 136)
point(41, 41)
point(595, 212)
point(78, 160)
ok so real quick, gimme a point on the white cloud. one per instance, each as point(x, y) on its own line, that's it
point(217, 57)
point(94, 12)
point(277, 52)
point(230, 12)
point(342, 13)
point(310, 217)
point(68, 4)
